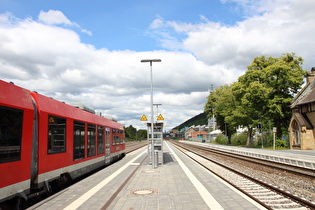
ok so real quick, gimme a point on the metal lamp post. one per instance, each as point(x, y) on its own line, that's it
point(157, 108)
point(152, 143)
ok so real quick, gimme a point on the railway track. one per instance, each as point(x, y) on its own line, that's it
point(235, 171)
point(307, 172)
point(134, 145)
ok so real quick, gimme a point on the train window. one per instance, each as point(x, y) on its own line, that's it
point(56, 134)
point(107, 140)
point(100, 139)
point(116, 140)
point(122, 137)
point(91, 140)
point(118, 136)
point(78, 136)
point(114, 136)
point(11, 122)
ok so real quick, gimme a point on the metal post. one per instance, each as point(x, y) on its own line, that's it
point(157, 108)
point(274, 137)
point(274, 140)
point(152, 122)
point(156, 160)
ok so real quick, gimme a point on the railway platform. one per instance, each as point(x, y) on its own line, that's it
point(132, 183)
point(301, 158)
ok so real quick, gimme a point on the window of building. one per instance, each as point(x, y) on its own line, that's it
point(296, 137)
point(79, 133)
point(56, 134)
point(11, 122)
point(91, 140)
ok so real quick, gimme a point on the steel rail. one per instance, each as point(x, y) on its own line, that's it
point(310, 173)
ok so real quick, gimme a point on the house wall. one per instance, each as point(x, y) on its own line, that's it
point(307, 136)
point(304, 104)
point(188, 133)
point(198, 134)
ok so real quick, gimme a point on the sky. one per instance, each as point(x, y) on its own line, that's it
point(90, 51)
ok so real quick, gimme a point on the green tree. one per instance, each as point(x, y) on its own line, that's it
point(279, 79)
point(221, 103)
point(141, 134)
point(130, 132)
point(249, 100)
point(265, 91)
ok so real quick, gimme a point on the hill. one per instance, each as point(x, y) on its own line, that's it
point(200, 119)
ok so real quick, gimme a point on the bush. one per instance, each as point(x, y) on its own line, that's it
point(281, 143)
point(239, 139)
point(221, 139)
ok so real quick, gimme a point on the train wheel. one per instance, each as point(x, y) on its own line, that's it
point(63, 181)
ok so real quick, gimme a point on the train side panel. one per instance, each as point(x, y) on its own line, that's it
point(16, 127)
point(118, 141)
point(42, 139)
point(69, 140)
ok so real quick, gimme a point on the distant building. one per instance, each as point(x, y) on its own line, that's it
point(197, 133)
point(213, 135)
point(188, 132)
point(199, 136)
point(176, 134)
point(302, 122)
point(212, 123)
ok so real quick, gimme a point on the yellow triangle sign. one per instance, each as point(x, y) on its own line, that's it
point(144, 118)
point(160, 117)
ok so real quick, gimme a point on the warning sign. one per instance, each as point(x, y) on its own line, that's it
point(160, 117)
point(144, 118)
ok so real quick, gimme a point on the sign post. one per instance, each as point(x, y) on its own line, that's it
point(160, 117)
point(144, 118)
point(274, 137)
point(152, 137)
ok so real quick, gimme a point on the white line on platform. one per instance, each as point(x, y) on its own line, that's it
point(78, 202)
point(204, 193)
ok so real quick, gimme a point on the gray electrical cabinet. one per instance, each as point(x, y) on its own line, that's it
point(157, 145)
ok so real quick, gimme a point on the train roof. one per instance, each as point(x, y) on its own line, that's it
point(15, 96)
point(82, 106)
point(19, 97)
point(55, 107)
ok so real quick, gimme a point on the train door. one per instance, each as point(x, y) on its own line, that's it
point(101, 140)
point(107, 144)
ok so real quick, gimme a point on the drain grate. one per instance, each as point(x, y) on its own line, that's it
point(144, 192)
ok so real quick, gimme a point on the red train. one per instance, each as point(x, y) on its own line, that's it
point(44, 142)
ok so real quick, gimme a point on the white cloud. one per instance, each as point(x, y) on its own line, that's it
point(273, 28)
point(157, 23)
point(86, 32)
point(56, 17)
point(53, 61)
point(49, 57)
point(53, 17)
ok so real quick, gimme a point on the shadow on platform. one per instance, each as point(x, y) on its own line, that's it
point(167, 158)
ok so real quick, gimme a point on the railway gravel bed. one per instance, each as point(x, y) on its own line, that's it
point(298, 185)
point(134, 145)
